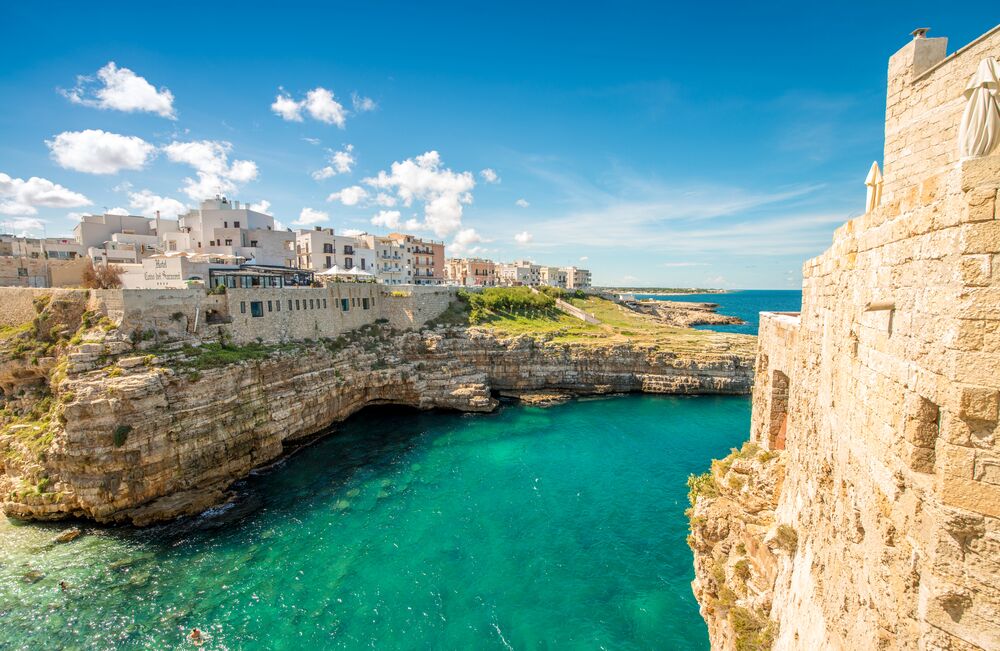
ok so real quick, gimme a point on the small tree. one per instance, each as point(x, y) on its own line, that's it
point(102, 276)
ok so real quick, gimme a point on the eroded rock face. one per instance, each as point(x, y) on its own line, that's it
point(145, 440)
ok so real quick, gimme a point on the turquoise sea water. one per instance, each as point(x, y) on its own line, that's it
point(528, 528)
point(745, 304)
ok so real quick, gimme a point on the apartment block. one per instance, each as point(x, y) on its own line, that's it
point(321, 248)
point(427, 256)
point(221, 227)
point(471, 272)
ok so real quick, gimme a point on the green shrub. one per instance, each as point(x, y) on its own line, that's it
point(786, 538)
point(120, 435)
point(702, 485)
point(754, 632)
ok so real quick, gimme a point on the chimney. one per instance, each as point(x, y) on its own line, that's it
point(916, 57)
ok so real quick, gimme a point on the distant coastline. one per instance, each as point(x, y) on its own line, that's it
point(663, 291)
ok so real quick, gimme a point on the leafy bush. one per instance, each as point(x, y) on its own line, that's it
point(702, 485)
point(507, 300)
point(753, 631)
point(786, 538)
point(102, 276)
point(120, 435)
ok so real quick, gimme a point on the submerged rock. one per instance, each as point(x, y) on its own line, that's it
point(67, 535)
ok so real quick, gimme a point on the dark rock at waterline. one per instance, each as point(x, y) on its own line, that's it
point(34, 576)
point(67, 535)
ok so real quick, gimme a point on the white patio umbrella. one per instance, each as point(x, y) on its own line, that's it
point(332, 271)
point(979, 132)
point(874, 184)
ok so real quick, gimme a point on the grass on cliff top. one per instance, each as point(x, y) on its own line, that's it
point(516, 311)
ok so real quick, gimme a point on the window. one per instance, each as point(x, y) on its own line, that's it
point(348, 262)
point(364, 303)
point(345, 305)
point(328, 261)
point(253, 243)
point(256, 308)
point(310, 304)
point(269, 306)
point(229, 242)
point(324, 303)
point(362, 263)
point(236, 224)
point(225, 224)
point(327, 248)
point(297, 304)
point(277, 305)
point(289, 305)
point(243, 307)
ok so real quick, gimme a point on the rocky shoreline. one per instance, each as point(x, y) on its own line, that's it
point(684, 314)
point(134, 434)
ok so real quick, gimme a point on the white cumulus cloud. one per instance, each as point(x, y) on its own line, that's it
point(263, 206)
point(349, 196)
point(523, 237)
point(287, 107)
point(309, 216)
point(385, 200)
point(465, 242)
point(20, 197)
point(387, 218)
point(522, 203)
point(23, 226)
point(341, 162)
point(210, 160)
point(99, 152)
point(352, 232)
point(489, 175)
point(120, 89)
point(362, 104)
point(319, 103)
point(146, 204)
point(442, 191)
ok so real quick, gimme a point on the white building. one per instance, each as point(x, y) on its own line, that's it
point(520, 272)
point(577, 278)
point(321, 248)
point(553, 277)
point(393, 259)
point(221, 227)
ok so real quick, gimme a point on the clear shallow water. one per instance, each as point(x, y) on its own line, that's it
point(527, 528)
point(745, 304)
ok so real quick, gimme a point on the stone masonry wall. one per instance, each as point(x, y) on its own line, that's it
point(412, 307)
point(893, 480)
point(289, 314)
point(924, 107)
point(302, 313)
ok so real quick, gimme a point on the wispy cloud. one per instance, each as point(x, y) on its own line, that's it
point(632, 212)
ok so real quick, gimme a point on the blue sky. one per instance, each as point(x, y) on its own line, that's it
point(698, 145)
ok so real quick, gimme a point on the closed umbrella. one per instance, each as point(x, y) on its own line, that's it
point(979, 132)
point(874, 184)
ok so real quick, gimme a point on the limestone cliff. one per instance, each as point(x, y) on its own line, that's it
point(136, 435)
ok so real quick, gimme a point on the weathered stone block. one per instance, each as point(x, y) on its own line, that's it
point(980, 237)
point(980, 205)
point(978, 403)
point(957, 460)
point(976, 269)
point(976, 496)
